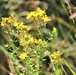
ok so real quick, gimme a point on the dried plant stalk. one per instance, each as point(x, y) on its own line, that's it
point(70, 10)
point(6, 65)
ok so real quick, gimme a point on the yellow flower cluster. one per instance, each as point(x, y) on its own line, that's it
point(20, 26)
point(39, 16)
point(25, 38)
point(21, 31)
point(32, 40)
point(56, 57)
point(29, 40)
point(8, 21)
point(36, 13)
point(22, 55)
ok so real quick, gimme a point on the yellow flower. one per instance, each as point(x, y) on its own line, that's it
point(45, 19)
point(8, 21)
point(22, 55)
point(40, 12)
point(36, 13)
point(16, 24)
point(30, 40)
point(20, 26)
point(39, 42)
point(23, 42)
point(56, 57)
point(2, 24)
point(4, 21)
point(30, 15)
point(39, 16)
point(59, 60)
point(54, 29)
point(27, 28)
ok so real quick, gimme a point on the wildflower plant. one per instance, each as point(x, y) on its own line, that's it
point(28, 55)
point(30, 50)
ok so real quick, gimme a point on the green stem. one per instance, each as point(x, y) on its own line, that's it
point(63, 70)
point(39, 33)
point(55, 68)
point(70, 68)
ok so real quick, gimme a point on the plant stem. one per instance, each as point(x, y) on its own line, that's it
point(70, 68)
point(63, 70)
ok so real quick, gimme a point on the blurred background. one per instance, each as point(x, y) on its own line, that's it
point(62, 14)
